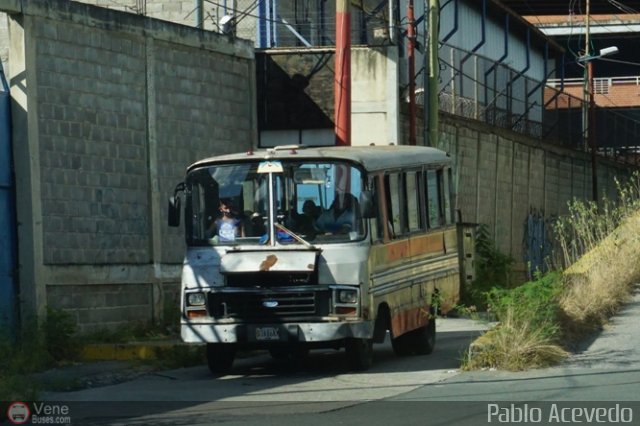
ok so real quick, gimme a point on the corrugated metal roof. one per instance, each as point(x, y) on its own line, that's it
point(372, 158)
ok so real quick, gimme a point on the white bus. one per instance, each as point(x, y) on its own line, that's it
point(295, 248)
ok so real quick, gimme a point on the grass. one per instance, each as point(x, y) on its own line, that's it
point(601, 280)
point(528, 332)
point(596, 250)
point(55, 342)
point(515, 344)
point(39, 346)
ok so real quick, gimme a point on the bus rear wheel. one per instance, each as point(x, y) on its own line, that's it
point(424, 338)
point(359, 353)
point(220, 357)
point(401, 345)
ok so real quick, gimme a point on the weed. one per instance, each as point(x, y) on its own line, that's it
point(59, 329)
point(528, 333)
point(588, 223)
point(15, 387)
point(516, 344)
point(130, 333)
point(493, 269)
point(179, 356)
point(535, 302)
point(597, 249)
point(171, 317)
point(38, 346)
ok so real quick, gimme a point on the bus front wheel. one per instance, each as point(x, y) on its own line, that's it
point(359, 353)
point(220, 357)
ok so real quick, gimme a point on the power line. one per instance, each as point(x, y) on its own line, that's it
point(622, 7)
point(619, 61)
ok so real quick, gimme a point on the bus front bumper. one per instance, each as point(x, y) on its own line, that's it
point(275, 333)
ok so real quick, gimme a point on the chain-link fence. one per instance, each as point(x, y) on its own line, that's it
point(291, 23)
point(471, 86)
point(482, 89)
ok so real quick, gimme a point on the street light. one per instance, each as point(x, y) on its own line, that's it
point(589, 113)
point(611, 50)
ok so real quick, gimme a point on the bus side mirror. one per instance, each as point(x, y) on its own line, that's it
point(366, 205)
point(174, 205)
point(174, 211)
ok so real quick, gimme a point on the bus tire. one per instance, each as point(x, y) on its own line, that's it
point(220, 357)
point(401, 345)
point(359, 353)
point(425, 338)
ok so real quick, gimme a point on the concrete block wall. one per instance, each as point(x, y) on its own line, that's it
point(486, 182)
point(109, 109)
point(103, 306)
point(504, 195)
point(503, 177)
point(184, 12)
point(93, 144)
point(520, 201)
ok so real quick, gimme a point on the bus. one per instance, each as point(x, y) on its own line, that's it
point(295, 248)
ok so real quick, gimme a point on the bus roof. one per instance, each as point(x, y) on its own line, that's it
point(372, 158)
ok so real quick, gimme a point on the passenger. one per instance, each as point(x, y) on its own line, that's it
point(305, 221)
point(228, 225)
point(341, 216)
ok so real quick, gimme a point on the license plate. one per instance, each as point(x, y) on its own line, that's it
point(267, 333)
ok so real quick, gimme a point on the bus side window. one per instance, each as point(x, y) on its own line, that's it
point(434, 206)
point(414, 212)
point(448, 196)
point(376, 230)
point(394, 202)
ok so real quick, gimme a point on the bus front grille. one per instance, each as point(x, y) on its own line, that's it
point(270, 279)
point(268, 306)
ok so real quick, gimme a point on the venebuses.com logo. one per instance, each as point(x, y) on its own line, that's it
point(18, 413)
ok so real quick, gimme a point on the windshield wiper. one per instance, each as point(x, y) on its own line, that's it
point(295, 236)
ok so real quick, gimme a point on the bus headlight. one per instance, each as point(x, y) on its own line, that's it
point(195, 299)
point(348, 296)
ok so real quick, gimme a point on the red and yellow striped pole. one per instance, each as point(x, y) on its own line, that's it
point(342, 85)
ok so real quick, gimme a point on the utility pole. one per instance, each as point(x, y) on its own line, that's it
point(589, 106)
point(200, 14)
point(411, 71)
point(434, 70)
point(342, 80)
point(592, 134)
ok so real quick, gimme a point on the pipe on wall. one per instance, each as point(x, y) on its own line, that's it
point(8, 224)
point(455, 20)
point(504, 56)
point(483, 39)
point(558, 92)
point(542, 83)
point(522, 72)
point(263, 24)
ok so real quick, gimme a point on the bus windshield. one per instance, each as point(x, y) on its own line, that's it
point(232, 204)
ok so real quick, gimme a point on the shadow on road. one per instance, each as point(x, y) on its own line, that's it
point(449, 351)
point(321, 382)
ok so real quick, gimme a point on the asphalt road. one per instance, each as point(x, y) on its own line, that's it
point(426, 390)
